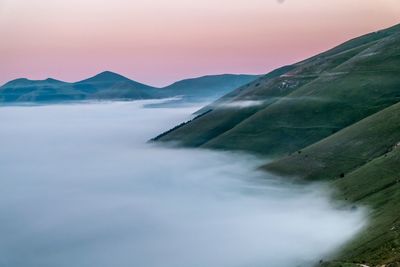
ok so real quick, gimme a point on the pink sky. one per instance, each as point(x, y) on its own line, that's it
point(161, 41)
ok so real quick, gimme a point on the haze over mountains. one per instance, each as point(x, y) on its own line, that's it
point(112, 86)
point(334, 117)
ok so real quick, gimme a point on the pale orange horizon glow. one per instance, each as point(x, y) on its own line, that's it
point(161, 41)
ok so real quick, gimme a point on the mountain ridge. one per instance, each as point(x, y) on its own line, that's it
point(332, 118)
point(112, 86)
point(305, 103)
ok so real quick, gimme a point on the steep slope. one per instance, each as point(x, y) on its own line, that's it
point(110, 86)
point(333, 118)
point(363, 163)
point(306, 102)
point(375, 185)
point(342, 152)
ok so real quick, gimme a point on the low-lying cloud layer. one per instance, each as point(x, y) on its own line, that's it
point(79, 187)
point(240, 104)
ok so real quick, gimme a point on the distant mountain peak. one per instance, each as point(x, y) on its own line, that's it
point(108, 76)
point(51, 80)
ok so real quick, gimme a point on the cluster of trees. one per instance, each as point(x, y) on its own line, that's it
point(179, 126)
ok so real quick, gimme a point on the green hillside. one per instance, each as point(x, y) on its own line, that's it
point(363, 163)
point(342, 152)
point(334, 118)
point(303, 103)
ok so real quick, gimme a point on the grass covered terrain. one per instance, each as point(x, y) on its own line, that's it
point(305, 102)
point(363, 163)
point(333, 118)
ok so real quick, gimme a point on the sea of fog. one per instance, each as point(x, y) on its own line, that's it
point(79, 186)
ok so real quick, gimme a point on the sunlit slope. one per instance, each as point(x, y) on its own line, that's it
point(306, 102)
point(363, 162)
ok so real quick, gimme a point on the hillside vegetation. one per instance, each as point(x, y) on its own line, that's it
point(303, 103)
point(363, 162)
point(333, 118)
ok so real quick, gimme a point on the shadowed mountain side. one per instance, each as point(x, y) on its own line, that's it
point(112, 86)
point(307, 102)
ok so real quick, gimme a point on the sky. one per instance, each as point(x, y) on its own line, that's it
point(161, 41)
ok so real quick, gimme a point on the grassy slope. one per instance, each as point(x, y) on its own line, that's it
point(342, 152)
point(347, 93)
point(376, 185)
point(368, 154)
point(309, 102)
point(344, 119)
point(222, 119)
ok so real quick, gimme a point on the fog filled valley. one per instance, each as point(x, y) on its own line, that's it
point(80, 186)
